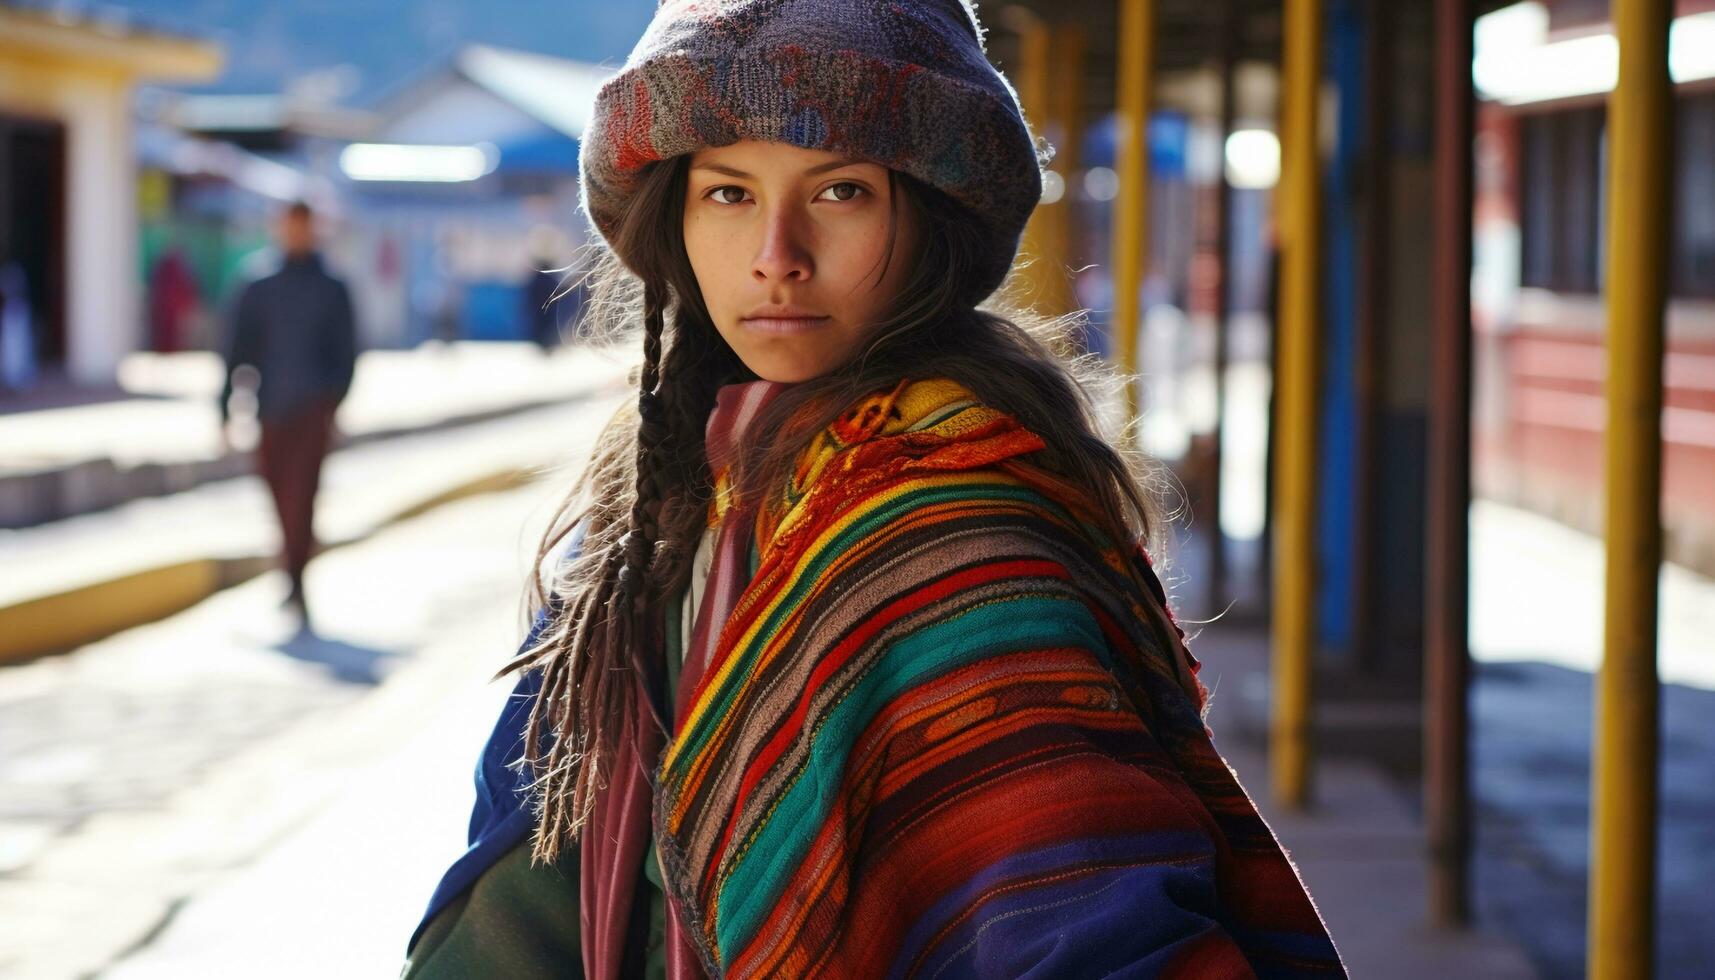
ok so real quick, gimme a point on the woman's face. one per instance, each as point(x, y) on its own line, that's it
point(787, 245)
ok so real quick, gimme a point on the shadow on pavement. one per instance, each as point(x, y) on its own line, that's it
point(1531, 769)
point(346, 662)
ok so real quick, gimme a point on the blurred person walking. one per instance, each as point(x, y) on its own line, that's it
point(295, 327)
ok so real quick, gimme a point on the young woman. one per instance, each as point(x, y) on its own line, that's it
point(855, 664)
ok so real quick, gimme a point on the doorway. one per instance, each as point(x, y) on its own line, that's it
point(32, 249)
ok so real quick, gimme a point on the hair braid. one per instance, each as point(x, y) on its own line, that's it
point(582, 687)
point(632, 607)
point(687, 399)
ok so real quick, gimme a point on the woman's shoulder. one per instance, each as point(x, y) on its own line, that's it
point(917, 424)
point(920, 441)
point(939, 405)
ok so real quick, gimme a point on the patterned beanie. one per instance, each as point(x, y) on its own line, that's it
point(902, 83)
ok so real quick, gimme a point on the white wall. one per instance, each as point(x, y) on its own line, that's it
point(103, 305)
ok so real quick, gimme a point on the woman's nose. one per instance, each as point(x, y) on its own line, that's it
point(783, 254)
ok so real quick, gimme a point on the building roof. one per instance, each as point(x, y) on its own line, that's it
point(557, 91)
point(265, 112)
point(529, 109)
point(554, 92)
point(106, 38)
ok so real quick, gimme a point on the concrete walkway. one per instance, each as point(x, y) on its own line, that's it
point(298, 793)
point(1359, 849)
point(1536, 634)
point(164, 437)
point(420, 419)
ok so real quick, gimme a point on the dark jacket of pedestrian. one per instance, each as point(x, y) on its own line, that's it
point(295, 327)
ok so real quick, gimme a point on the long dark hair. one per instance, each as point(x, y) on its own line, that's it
point(643, 497)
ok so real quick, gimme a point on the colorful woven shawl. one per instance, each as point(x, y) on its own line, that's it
point(950, 729)
point(614, 844)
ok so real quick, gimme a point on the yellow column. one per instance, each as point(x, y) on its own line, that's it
point(1627, 725)
point(1295, 456)
point(1045, 275)
point(1131, 205)
point(1066, 98)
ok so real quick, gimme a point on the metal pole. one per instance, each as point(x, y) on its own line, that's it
point(1447, 654)
point(1627, 724)
point(1131, 204)
point(1294, 585)
point(1369, 352)
point(1228, 44)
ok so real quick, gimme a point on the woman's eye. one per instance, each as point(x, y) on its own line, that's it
point(856, 189)
point(717, 193)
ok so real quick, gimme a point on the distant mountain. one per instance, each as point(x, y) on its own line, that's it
point(357, 51)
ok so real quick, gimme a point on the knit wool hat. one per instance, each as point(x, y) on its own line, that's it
point(902, 83)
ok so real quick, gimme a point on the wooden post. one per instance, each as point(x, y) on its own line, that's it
point(1447, 654)
point(1228, 44)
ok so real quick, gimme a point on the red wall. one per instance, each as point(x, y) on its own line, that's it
point(1554, 415)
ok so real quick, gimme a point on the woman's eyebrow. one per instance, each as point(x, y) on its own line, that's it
point(811, 172)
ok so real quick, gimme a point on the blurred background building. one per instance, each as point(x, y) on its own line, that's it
point(1545, 73)
point(447, 183)
point(68, 238)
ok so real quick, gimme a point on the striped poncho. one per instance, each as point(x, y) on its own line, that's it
point(951, 730)
point(947, 729)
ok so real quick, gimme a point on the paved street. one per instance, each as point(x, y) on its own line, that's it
point(1536, 636)
point(1532, 724)
point(169, 414)
point(1536, 630)
point(350, 877)
point(212, 795)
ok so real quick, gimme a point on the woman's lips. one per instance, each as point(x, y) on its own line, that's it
point(785, 325)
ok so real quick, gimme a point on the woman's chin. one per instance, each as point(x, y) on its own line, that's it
point(786, 370)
